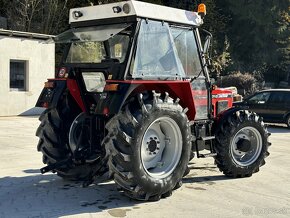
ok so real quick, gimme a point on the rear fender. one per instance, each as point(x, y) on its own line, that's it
point(110, 103)
point(175, 89)
point(50, 96)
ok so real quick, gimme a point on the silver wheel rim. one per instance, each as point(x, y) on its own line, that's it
point(253, 136)
point(161, 147)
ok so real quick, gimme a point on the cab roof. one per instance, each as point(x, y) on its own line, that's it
point(133, 10)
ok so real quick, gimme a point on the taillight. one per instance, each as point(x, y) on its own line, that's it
point(45, 104)
point(106, 111)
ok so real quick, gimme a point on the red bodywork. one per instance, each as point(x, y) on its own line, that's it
point(177, 89)
point(75, 92)
point(219, 95)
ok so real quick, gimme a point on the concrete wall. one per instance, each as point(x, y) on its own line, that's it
point(40, 66)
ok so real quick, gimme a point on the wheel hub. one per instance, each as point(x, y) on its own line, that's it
point(244, 145)
point(153, 145)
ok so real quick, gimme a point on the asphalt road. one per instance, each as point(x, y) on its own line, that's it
point(24, 192)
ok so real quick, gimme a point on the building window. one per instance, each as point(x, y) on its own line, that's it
point(18, 75)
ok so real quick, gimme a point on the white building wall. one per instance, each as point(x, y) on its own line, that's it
point(40, 66)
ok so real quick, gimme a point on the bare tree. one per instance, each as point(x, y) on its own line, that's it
point(44, 16)
point(53, 16)
point(28, 10)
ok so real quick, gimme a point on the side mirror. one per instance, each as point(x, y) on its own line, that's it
point(207, 44)
point(207, 36)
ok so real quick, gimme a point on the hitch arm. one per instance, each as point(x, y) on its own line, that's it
point(55, 166)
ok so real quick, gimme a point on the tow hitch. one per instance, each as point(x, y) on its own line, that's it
point(55, 166)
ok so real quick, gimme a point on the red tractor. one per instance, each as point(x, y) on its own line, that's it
point(133, 97)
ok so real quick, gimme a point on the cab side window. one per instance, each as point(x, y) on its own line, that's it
point(277, 98)
point(260, 98)
point(187, 50)
point(156, 54)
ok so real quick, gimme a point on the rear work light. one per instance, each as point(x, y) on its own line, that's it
point(94, 81)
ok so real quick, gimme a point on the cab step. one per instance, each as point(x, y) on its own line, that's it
point(208, 138)
point(207, 155)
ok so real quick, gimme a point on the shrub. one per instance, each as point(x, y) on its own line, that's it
point(246, 83)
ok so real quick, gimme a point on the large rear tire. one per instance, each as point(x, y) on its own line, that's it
point(149, 147)
point(241, 144)
point(53, 133)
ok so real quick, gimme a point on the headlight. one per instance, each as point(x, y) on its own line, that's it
point(94, 81)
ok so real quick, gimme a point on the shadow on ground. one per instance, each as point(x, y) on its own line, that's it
point(193, 177)
point(35, 111)
point(39, 195)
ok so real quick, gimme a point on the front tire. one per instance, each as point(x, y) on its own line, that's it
point(149, 147)
point(241, 144)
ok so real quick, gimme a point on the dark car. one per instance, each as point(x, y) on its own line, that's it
point(273, 105)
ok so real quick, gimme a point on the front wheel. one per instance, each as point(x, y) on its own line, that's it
point(241, 144)
point(149, 147)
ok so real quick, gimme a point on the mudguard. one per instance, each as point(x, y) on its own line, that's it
point(50, 96)
point(112, 102)
point(223, 115)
